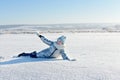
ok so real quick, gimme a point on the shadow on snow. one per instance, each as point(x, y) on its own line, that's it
point(24, 60)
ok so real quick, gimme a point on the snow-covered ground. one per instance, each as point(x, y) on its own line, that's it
point(97, 54)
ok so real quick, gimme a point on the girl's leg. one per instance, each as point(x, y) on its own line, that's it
point(33, 54)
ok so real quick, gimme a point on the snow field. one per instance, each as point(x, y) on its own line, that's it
point(97, 55)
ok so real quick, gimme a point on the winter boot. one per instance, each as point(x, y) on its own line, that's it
point(23, 54)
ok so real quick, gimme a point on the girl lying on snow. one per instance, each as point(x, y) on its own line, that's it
point(55, 49)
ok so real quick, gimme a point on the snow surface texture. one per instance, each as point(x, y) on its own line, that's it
point(97, 55)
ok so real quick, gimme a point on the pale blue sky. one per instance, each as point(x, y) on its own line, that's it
point(59, 11)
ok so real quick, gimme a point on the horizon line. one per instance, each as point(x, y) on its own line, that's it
point(63, 23)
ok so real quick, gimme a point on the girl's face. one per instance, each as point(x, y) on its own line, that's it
point(59, 42)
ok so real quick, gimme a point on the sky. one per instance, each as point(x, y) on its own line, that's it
point(59, 11)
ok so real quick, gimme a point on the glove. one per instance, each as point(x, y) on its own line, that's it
point(67, 58)
point(40, 36)
point(70, 59)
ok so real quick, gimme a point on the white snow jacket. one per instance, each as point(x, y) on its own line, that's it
point(54, 50)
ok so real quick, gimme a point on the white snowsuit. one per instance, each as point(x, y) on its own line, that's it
point(54, 50)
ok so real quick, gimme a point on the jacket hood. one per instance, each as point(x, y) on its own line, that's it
point(62, 38)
